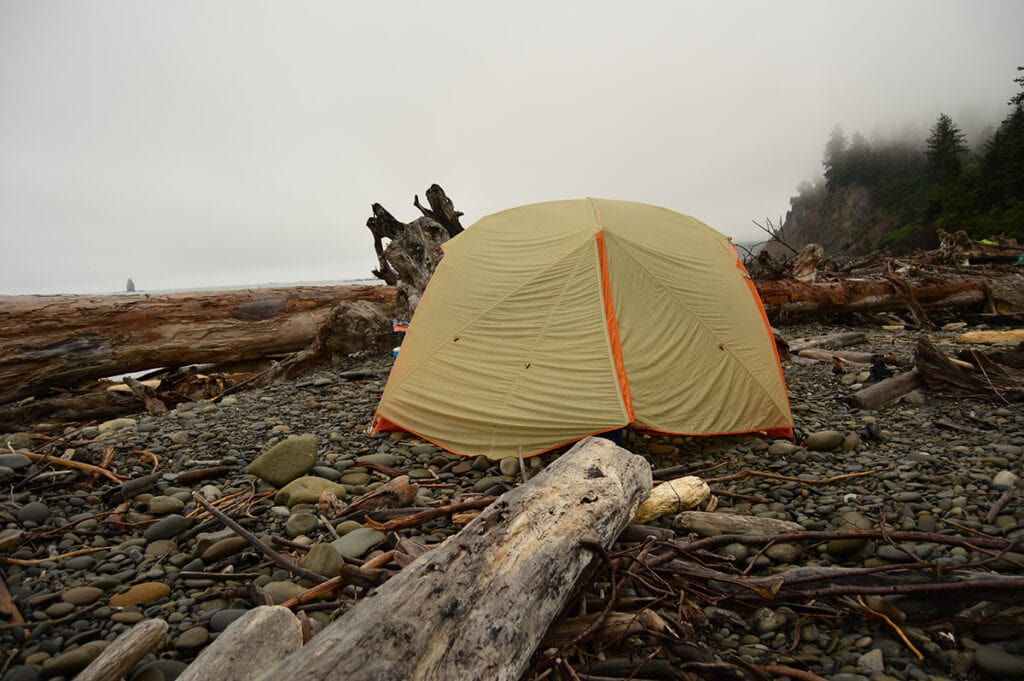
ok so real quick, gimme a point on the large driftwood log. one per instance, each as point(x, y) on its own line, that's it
point(791, 300)
point(62, 340)
point(253, 642)
point(477, 606)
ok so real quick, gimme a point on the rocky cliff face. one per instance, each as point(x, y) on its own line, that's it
point(846, 222)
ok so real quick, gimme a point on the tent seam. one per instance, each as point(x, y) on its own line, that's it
point(724, 346)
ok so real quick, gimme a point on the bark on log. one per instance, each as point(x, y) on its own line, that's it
point(884, 392)
point(256, 640)
point(789, 300)
point(477, 606)
point(62, 340)
point(127, 649)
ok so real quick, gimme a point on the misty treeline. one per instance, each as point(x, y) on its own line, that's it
point(937, 183)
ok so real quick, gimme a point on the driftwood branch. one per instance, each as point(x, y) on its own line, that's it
point(255, 542)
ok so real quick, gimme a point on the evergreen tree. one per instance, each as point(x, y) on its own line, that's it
point(947, 147)
point(833, 159)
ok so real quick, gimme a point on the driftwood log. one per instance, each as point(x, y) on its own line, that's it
point(884, 392)
point(119, 657)
point(787, 299)
point(477, 606)
point(61, 340)
point(253, 642)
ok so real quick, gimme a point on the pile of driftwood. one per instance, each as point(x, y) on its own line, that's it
point(560, 578)
point(56, 351)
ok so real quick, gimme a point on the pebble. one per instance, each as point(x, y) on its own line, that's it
point(998, 662)
point(193, 637)
point(117, 424)
point(307, 490)
point(167, 528)
point(147, 592)
point(301, 523)
point(287, 460)
point(919, 475)
point(161, 669)
point(82, 595)
point(824, 441)
point(358, 543)
point(323, 559)
point(34, 512)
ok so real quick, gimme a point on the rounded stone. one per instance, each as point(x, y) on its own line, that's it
point(158, 670)
point(222, 618)
point(165, 505)
point(82, 595)
point(301, 523)
point(824, 440)
point(286, 461)
point(322, 559)
point(307, 490)
point(509, 466)
point(167, 528)
point(192, 638)
point(33, 512)
point(358, 543)
point(117, 424)
point(147, 592)
point(999, 662)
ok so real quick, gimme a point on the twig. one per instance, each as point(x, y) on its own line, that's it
point(270, 553)
point(88, 468)
point(39, 561)
point(429, 514)
point(151, 455)
point(895, 627)
point(993, 512)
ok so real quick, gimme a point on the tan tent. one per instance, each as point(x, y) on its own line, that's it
point(550, 322)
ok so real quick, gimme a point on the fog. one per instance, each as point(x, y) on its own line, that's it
point(207, 143)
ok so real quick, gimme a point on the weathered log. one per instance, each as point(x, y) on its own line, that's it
point(477, 606)
point(672, 496)
point(732, 523)
point(256, 640)
point(852, 356)
point(790, 300)
point(63, 340)
point(127, 649)
point(884, 392)
point(353, 326)
point(830, 342)
point(1011, 336)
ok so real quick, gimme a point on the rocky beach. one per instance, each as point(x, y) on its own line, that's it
point(87, 556)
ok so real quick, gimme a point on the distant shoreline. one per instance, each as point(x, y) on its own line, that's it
point(208, 289)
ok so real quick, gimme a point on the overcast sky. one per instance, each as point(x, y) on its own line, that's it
point(207, 143)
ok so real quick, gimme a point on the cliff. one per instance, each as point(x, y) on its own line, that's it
point(845, 221)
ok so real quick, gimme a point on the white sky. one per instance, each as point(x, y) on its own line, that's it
point(200, 143)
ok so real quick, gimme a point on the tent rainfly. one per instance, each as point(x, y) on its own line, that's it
point(550, 322)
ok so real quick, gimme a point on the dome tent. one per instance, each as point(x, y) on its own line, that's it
point(550, 322)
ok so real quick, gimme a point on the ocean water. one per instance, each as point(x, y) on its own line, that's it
point(269, 284)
